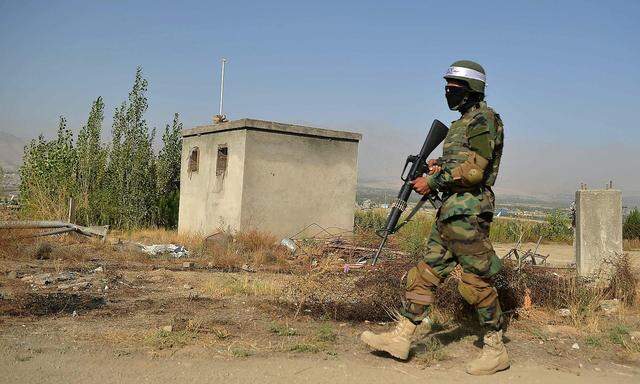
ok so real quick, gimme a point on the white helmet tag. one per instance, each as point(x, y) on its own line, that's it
point(467, 73)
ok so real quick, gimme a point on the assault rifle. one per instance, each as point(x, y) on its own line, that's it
point(419, 167)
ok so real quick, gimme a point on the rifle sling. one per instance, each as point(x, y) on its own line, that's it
point(415, 210)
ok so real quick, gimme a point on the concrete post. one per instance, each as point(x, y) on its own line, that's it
point(598, 233)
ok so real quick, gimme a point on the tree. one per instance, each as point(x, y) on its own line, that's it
point(168, 181)
point(131, 169)
point(92, 157)
point(48, 174)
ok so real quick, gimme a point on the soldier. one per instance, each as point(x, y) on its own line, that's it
point(460, 235)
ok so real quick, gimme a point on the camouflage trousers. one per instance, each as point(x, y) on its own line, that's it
point(457, 240)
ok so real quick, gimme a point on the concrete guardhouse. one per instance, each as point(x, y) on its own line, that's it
point(279, 178)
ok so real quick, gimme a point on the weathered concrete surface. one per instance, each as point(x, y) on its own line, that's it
point(293, 181)
point(272, 126)
point(209, 202)
point(598, 234)
point(280, 178)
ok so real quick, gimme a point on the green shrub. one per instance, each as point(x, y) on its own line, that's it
point(558, 227)
point(631, 225)
point(373, 219)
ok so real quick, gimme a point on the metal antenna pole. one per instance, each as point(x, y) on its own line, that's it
point(222, 85)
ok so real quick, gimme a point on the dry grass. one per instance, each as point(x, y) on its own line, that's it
point(631, 244)
point(168, 339)
point(370, 294)
point(242, 285)
point(429, 352)
point(411, 238)
point(322, 340)
point(252, 248)
point(43, 206)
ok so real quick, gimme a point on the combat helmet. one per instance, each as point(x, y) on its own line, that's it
point(470, 72)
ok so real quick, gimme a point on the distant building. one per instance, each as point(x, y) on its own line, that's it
point(253, 174)
point(500, 212)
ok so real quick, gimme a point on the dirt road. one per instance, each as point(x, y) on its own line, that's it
point(80, 367)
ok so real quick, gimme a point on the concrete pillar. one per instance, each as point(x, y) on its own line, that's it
point(598, 233)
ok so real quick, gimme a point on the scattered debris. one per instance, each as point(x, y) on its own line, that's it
point(187, 286)
point(248, 268)
point(187, 265)
point(98, 270)
point(610, 307)
point(575, 346)
point(176, 251)
point(47, 278)
point(530, 256)
point(75, 286)
point(371, 251)
point(290, 245)
point(167, 328)
point(12, 275)
point(564, 312)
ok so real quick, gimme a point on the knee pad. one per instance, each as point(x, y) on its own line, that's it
point(421, 282)
point(477, 291)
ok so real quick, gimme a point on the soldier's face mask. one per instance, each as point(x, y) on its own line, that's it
point(455, 96)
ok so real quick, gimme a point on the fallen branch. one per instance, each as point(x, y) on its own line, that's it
point(100, 231)
point(364, 249)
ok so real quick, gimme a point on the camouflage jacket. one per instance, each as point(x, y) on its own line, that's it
point(473, 146)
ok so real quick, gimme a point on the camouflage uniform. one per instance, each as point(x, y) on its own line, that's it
point(460, 235)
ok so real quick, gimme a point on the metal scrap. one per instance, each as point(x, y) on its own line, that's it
point(177, 251)
point(530, 256)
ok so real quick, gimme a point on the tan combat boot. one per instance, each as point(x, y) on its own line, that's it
point(494, 356)
point(396, 342)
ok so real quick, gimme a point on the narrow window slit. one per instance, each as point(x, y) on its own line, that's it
point(221, 162)
point(194, 156)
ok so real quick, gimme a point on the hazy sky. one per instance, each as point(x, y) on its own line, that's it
point(563, 74)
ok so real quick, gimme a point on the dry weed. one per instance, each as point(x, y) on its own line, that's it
point(370, 294)
point(241, 285)
point(631, 244)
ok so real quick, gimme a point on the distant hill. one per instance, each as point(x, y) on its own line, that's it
point(384, 190)
point(11, 149)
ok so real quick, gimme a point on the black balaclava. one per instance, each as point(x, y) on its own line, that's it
point(455, 96)
point(461, 98)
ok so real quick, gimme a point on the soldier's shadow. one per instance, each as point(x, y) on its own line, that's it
point(444, 336)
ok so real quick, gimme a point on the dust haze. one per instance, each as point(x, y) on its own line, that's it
point(546, 170)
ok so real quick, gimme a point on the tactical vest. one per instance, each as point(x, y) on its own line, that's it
point(456, 145)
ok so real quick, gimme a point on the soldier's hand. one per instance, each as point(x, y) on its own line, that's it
point(434, 167)
point(421, 186)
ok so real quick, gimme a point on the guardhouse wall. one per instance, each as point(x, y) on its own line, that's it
point(292, 181)
point(209, 203)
